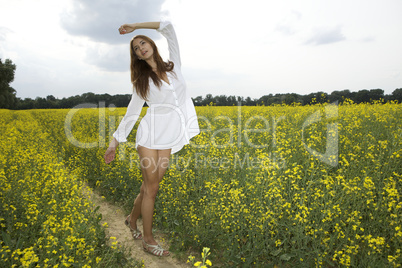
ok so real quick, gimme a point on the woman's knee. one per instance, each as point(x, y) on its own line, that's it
point(142, 189)
point(151, 190)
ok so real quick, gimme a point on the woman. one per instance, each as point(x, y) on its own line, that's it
point(170, 121)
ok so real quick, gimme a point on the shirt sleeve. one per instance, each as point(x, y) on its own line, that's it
point(134, 109)
point(167, 30)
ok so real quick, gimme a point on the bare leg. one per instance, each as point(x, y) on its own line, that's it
point(136, 211)
point(153, 165)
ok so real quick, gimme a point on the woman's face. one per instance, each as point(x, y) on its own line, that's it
point(142, 48)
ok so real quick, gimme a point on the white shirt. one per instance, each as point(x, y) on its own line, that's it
point(170, 121)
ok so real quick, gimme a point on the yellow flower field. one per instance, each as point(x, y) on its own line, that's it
point(292, 186)
point(45, 219)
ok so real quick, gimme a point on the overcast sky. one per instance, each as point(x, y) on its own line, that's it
point(228, 47)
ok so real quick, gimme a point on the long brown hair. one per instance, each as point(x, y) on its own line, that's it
point(141, 71)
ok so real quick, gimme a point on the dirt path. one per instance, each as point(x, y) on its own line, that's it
point(114, 217)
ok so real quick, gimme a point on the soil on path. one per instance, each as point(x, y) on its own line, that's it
point(114, 217)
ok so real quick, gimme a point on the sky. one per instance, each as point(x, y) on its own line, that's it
point(228, 47)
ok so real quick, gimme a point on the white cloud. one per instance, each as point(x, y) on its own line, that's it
point(3, 33)
point(109, 58)
point(289, 24)
point(249, 48)
point(100, 20)
point(326, 36)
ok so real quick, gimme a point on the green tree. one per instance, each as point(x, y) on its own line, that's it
point(340, 95)
point(362, 96)
point(8, 100)
point(376, 94)
point(397, 94)
point(197, 101)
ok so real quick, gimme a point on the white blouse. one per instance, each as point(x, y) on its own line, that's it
point(170, 121)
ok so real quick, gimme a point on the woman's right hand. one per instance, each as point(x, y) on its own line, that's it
point(110, 154)
point(127, 28)
point(111, 151)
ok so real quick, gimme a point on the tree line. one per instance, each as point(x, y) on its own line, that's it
point(7, 93)
point(362, 96)
point(8, 99)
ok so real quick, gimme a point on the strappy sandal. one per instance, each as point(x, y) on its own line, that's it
point(156, 250)
point(135, 232)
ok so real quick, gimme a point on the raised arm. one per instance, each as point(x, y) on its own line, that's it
point(130, 27)
point(166, 29)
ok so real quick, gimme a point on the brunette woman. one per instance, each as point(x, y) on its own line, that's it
point(169, 124)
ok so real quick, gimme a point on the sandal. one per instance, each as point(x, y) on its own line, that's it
point(135, 232)
point(156, 250)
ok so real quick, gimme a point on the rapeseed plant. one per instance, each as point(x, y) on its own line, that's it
point(254, 185)
point(45, 220)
